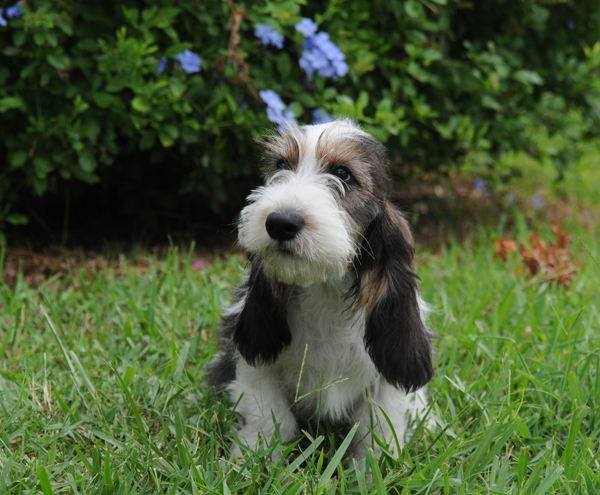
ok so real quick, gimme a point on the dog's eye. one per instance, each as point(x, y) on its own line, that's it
point(282, 164)
point(342, 173)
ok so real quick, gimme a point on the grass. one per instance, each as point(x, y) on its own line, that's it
point(102, 388)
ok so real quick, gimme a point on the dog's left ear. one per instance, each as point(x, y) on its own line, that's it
point(396, 337)
point(261, 331)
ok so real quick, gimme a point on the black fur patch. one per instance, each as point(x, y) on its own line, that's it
point(261, 331)
point(221, 370)
point(395, 337)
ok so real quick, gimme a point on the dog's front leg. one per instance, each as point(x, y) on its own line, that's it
point(391, 430)
point(260, 399)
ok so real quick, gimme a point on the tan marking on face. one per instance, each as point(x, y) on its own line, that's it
point(289, 146)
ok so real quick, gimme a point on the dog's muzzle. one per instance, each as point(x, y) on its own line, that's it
point(284, 226)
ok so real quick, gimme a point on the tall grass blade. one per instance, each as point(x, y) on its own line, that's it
point(335, 460)
point(44, 481)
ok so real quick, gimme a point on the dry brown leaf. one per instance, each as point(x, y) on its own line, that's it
point(503, 247)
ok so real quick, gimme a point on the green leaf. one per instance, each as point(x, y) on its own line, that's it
point(39, 38)
point(164, 17)
point(193, 124)
point(17, 158)
point(58, 59)
point(20, 37)
point(11, 102)
point(103, 100)
point(177, 87)
point(87, 161)
point(363, 99)
point(64, 26)
point(42, 166)
point(528, 77)
point(165, 139)
point(172, 131)
point(141, 104)
point(413, 8)
point(17, 219)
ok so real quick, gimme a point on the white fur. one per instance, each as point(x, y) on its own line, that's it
point(326, 247)
point(325, 373)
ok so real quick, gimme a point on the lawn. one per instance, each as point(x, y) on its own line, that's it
point(103, 389)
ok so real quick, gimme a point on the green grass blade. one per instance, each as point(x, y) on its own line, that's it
point(44, 481)
point(108, 480)
point(567, 457)
point(376, 472)
point(336, 459)
point(304, 455)
point(549, 480)
point(82, 374)
point(136, 413)
point(522, 468)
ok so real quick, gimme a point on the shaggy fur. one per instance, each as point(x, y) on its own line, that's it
point(329, 323)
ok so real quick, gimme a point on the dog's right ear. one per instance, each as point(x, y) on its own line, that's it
point(396, 336)
point(261, 331)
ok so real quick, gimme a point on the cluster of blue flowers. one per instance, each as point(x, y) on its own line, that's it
point(10, 13)
point(276, 109)
point(320, 54)
point(190, 62)
point(268, 35)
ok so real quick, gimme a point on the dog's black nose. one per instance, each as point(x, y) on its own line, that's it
point(283, 226)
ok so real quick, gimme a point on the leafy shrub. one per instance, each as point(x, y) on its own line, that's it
point(102, 92)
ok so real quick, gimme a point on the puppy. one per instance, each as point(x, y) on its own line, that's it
point(329, 323)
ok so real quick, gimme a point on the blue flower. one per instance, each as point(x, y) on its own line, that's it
point(322, 56)
point(244, 106)
point(2, 19)
point(190, 61)
point(161, 65)
point(14, 11)
point(77, 136)
point(537, 202)
point(276, 111)
point(479, 184)
point(307, 27)
point(268, 35)
point(272, 99)
point(319, 117)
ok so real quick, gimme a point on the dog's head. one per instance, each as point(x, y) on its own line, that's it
point(324, 214)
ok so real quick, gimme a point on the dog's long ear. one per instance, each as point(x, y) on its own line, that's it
point(396, 337)
point(261, 331)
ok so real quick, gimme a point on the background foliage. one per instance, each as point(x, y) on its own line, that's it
point(82, 101)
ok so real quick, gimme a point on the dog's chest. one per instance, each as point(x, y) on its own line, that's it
point(327, 350)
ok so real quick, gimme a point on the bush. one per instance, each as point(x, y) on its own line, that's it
point(82, 99)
